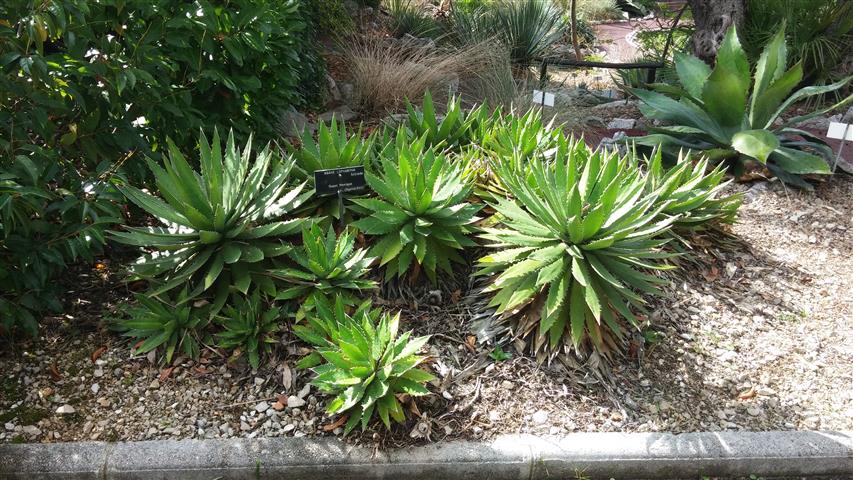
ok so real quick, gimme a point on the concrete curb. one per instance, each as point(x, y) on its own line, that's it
point(511, 457)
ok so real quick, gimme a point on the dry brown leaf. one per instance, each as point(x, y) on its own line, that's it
point(337, 423)
point(278, 406)
point(747, 394)
point(97, 353)
point(281, 399)
point(54, 373)
point(455, 296)
point(471, 343)
point(286, 377)
point(165, 373)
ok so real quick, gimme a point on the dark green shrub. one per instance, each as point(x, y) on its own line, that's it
point(819, 33)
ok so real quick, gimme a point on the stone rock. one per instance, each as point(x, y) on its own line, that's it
point(294, 123)
point(304, 391)
point(295, 402)
point(262, 407)
point(616, 142)
point(9, 426)
point(154, 385)
point(621, 124)
point(95, 388)
point(341, 114)
point(65, 410)
point(754, 411)
point(332, 86)
point(31, 430)
point(104, 402)
point(347, 92)
point(540, 417)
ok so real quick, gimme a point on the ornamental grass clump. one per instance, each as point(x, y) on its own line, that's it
point(221, 226)
point(577, 245)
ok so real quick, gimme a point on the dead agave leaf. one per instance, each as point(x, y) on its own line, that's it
point(337, 423)
point(747, 394)
point(97, 354)
point(165, 373)
point(286, 376)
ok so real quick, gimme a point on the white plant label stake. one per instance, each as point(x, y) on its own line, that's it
point(543, 98)
point(839, 131)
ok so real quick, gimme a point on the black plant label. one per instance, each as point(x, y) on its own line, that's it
point(339, 180)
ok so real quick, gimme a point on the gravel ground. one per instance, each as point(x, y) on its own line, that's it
point(756, 336)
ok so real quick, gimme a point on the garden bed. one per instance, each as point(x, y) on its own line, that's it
point(755, 336)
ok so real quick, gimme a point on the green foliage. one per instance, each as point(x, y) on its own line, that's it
point(511, 141)
point(408, 17)
point(574, 247)
point(333, 148)
point(173, 323)
point(366, 364)
point(498, 354)
point(728, 116)
point(327, 266)
point(43, 228)
point(526, 28)
point(249, 326)
point(819, 33)
point(89, 88)
point(450, 132)
point(102, 80)
point(329, 17)
point(222, 225)
point(691, 193)
point(421, 213)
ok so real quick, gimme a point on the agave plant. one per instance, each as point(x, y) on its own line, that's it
point(511, 140)
point(449, 132)
point(691, 193)
point(715, 112)
point(410, 18)
point(421, 213)
point(367, 365)
point(333, 148)
point(327, 265)
point(173, 323)
point(323, 322)
point(249, 325)
point(221, 226)
point(577, 240)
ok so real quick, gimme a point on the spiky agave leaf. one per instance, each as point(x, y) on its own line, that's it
point(577, 241)
point(691, 192)
point(327, 265)
point(420, 214)
point(222, 225)
point(249, 324)
point(367, 365)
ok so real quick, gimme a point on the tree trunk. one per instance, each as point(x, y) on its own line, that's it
point(713, 18)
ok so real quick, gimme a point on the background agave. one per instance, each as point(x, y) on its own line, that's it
point(691, 193)
point(447, 132)
point(575, 244)
point(327, 265)
point(221, 226)
point(368, 365)
point(421, 213)
point(333, 148)
point(728, 116)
